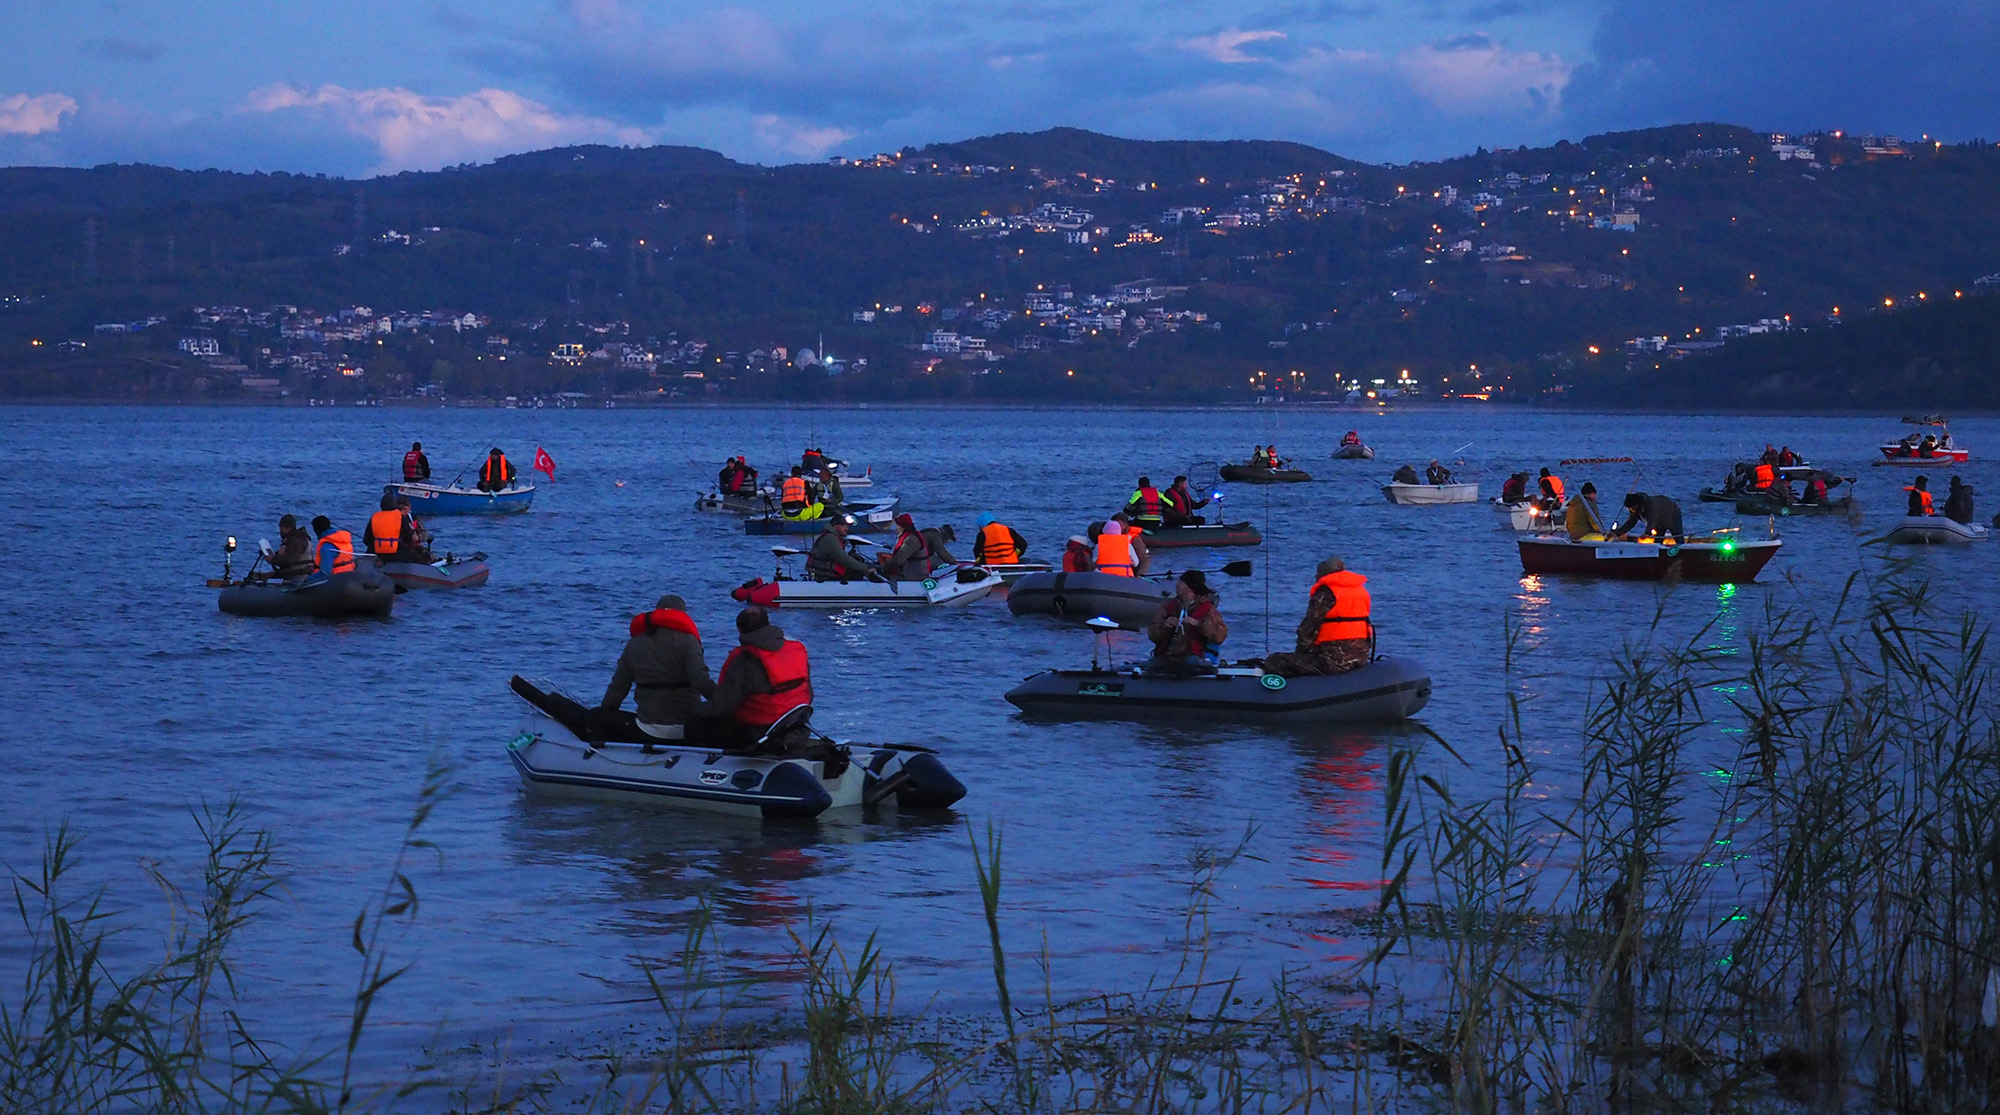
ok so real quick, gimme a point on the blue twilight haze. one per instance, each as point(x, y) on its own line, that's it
point(374, 86)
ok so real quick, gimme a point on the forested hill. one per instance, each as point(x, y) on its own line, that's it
point(1147, 269)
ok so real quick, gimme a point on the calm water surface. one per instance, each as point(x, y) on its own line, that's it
point(128, 697)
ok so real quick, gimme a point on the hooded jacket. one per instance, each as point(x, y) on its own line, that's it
point(667, 668)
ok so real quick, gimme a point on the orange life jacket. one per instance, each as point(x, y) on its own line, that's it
point(1114, 553)
point(1076, 559)
point(1348, 618)
point(413, 465)
point(1924, 501)
point(1766, 476)
point(386, 528)
point(791, 683)
point(343, 550)
point(998, 542)
point(794, 490)
point(1553, 484)
point(493, 473)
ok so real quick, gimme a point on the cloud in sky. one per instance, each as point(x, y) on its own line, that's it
point(21, 114)
point(1227, 46)
point(414, 132)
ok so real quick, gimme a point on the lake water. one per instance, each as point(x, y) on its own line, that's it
point(128, 697)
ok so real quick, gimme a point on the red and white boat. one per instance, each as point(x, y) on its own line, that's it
point(1912, 450)
point(1719, 559)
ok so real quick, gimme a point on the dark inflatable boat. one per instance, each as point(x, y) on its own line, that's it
point(362, 593)
point(1251, 474)
point(1207, 534)
point(1134, 602)
point(1386, 689)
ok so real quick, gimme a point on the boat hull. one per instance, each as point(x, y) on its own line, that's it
point(1766, 505)
point(1353, 453)
point(1244, 474)
point(761, 502)
point(1387, 689)
point(1716, 563)
point(363, 594)
point(1208, 534)
point(1134, 602)
point(962, 586)
point(1941, 458)
point(451, 573)
point(427, 500)
point(868, 518)
point(1427, 494)
point(1521, 516)
point(1935, 530)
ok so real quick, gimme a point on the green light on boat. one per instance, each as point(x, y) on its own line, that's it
point(1728, 547)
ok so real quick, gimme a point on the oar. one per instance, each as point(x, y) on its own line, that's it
point(1233, 569)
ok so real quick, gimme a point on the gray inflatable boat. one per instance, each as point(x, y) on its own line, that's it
point(1386, 689)
point(362, 593)
point(1132, 601)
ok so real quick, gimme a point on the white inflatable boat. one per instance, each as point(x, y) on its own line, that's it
point(1935, 530)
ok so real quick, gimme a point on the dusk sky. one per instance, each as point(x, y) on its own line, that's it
point(373, 86)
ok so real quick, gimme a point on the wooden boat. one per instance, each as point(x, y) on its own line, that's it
point(1248, 474)
point(1206, 534)
point(1386, 689)
point(1711, 559)
point(1934, 530)
point(1426, 494)
point(427, 499)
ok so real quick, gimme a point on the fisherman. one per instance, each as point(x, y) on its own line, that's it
point(935, 538)
point(1190, 624)
point(1439, 475)
point(416, 466)
point(1661, 514)
point(1770, 456)
point(335, 551)
point(794, 501)
point(1958, 502)
point(1146, 507)
point(1766, 476)
point(1351, 437)
point(294, 555)
point(910, 558)
point(1928, 447)
point(1552, 490)
point(1336, 635)
point(764, 678)
point(832, 557)
point(813, 460)
point(497, 474)
point(1515, 490)
point(1581, 520)
point(729, 478)
point(1406, 475)
point(1920, 496)
point(1181, 505)
point(1259, 458)
point(387, 534)
point(663, 661)
point(1120, 548)
point(1077, 555)
point(1787, 458)
point(1815, 490)
point(1271, 455)
point(997, 543)
point(416, 538)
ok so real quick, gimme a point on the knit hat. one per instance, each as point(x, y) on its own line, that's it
point(905, 521)
point(672, 601)
point(1332, 565)
point(1196, 580)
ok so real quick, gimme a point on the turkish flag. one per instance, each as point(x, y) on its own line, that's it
point(544, 462)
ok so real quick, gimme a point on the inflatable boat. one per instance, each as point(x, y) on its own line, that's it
point(428, 499)
point(961, 585)
point(759, 502)
point(363, 593)
point(1134, 602)
point(1711, 560)
point(565, 749)
point(1206, 534)
point(451, 572)
point(1764, 503)
point(1386, 689)
point(870, 516)
point(1010, 572)
point(1424, 494)
point(1353, 453)
point(1250, 474)
point(1934, 530)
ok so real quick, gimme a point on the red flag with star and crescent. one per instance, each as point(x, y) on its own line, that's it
point(544, 462)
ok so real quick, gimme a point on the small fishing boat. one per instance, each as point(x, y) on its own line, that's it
point(1204, 534)
point(568, 750)
point(1426, 494)
point(1011, 572)
point(1522, 515)
point(451, 571)
point(1133, 602)
point(1714, 559)
point(364, 593)
point(1934, 530)
point(759, 502)
point(872, 516)
point(427, 499)
point(1353, 453)
point(961, 584)
point(1765, 503)
point(1249, 474)
point(1386, 689)
point(1910, 450)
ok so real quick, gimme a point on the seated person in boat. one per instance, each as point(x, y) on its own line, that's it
point(812, 461)
point(1351, 437)
point(417, 537)
point(1515, 490)
point(1406, 475)
point(1181, 505)
point(1119, 548)
point(1958, 502)
point(1551, 487)
point(910, 559)
point(935, 538)
point(294, 555)
point(1661, 515)
point(497, 474)
point(832, 558)
point(1146, 506)
point(1739, 480)
point(1077, 555)
point(1190, 624)
point(824, 488)
point(416, 466)
point(387, 534)
point(1815, 490)
point(1920, 497)
point(1928, 447)
point(334, 553)
point(1770, 456)
point(1259, 458)
point(1271, 455)
point(1336, 636)
point(997, 543)
point(1787, 458)
point(729, 480)
point(765, 677)
point(1580, 518)
point(663, 661)
point(1437, 474)
point(795, 499)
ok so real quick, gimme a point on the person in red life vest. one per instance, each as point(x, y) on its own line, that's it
point(1787, 458)
point(1190, 624)
point(1146, 507)
point(335, 552)
point(387, 535)
point(497, 474)
point(663, 662)
point(1815, 491)
point(764, 678)
point(1920, 496)
point(1337, 634)
point(1181, 505)
point(416, 466)
point(1076, 555)
point(1352, 437)
point(911, 558)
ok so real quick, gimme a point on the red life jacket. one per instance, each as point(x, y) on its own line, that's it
point(670, 619)
point(1148, 499)
point(791, 683)
point(1348, 618)
point(1076, 559)
point(413, 465)
point(1195, 643)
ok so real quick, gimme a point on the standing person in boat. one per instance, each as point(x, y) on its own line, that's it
point(1439, 475)
point(1661, 515)
point(910, 558)
point(1920, 496)
point(1190, 623)
point(1337, 634)
point(663, 661)
point(1406, 475)
point(334, 554)
point(1181, 505)
point(497, 474)
point(1147, 507)
point(765, 677)
point(294, 555)
point(1076, 555)
point(1552, 490)
point(1580, 518)
point(387, 534)
point(1958, 502)
point(1120, 549)
point(832, 559)
point(416, 466)
point(997, 543)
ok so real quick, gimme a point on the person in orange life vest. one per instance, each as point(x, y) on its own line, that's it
point(663, 661)
point(1767, 475)
point(1920, 496)
point(497, 474)
point(1337, 634)
point(1181, 505)
point(387, 534)
point(1120, 548)
point(911, 558)
point(793, 498)
point(1552, 490)
point(335, 551)
point(416, 466)
point(1271, 455)
point(1190, 623)
point(764, 678)
point(1146, 507)
point(997, 543)
point(1077, 555)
